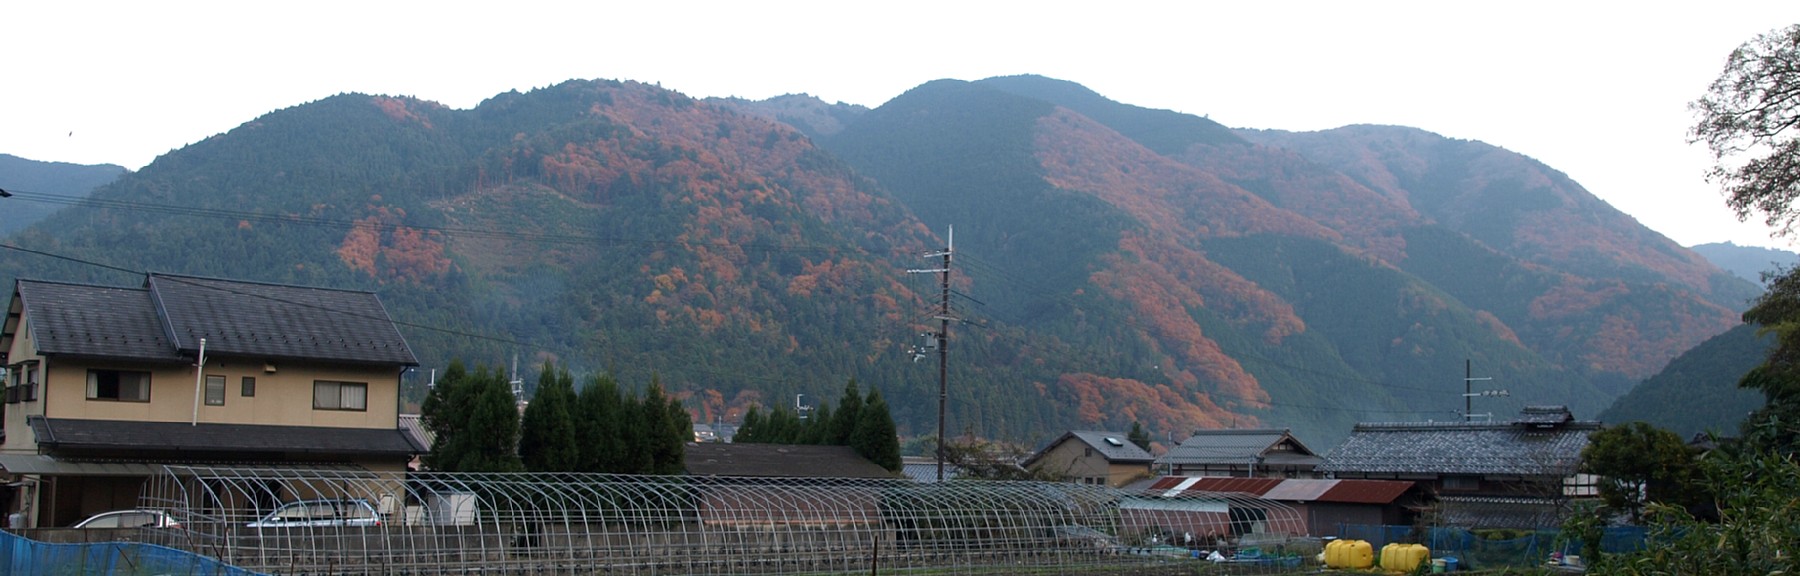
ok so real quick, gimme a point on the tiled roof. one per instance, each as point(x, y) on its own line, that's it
point(1235, 446)
point(1461, 448)
point(925, 469)
point(1484, 512)
point(124, 435)
point(278, 321)
point(165, 320)
point(779, 461)
point(94, 321)
point(414, 425)
point(1112, 446)
point(1540, 415)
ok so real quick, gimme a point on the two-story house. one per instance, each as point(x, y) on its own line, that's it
point(1092, 457)
point(1249, 453)
point(1517, 474)
point(107, 383)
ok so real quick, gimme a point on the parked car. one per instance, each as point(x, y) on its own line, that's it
point(329, 512)
point(130, 519)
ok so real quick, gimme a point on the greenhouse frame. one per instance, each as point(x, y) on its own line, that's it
point(336, 521)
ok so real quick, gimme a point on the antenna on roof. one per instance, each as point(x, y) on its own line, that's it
point(518, 384)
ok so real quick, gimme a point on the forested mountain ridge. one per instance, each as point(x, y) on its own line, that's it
point(1698, 391)
point(1112, 264)
point(66, 181)
point(1237, 301)
point(1747, 262)
point(1549, 252)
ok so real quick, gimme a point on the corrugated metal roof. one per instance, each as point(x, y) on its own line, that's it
point(1299, 490)
point(1365, 491)
point(1288, 489)
point(1254, 486)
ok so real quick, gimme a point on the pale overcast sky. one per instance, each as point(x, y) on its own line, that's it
point(1598, 90)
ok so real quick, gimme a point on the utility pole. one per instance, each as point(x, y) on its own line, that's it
point(942, 337)
point(1469, 393)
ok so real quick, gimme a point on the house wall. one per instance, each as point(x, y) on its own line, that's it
point(1074, 459)
point(1080, 462)
point(1122, 474)
point(1326, 518)
point(22, 351)
point(284, 397)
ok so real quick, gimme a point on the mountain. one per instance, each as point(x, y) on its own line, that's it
point(1112, 264)
point(1505, 235)
point(806, 113)
point(1698, 390)
point(59, 183)
point(1747, 262)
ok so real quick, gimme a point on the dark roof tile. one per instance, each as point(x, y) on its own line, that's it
point(94, 321)
point(1460, 448)
point(165, 320)
point(115, 435)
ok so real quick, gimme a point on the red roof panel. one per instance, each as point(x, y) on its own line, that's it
point(1366, 491)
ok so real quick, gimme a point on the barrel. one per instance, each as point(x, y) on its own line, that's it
point(1397, 557)
point(1349, 554)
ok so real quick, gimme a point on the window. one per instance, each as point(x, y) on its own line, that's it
point(23, 387)
point(329, 395)
point(118, 385)
point(215, 390)
point(249, 387)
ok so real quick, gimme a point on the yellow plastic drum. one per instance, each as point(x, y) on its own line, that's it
point(1349, 554)
point(1399, 557)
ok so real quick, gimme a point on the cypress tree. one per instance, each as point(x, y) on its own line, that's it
point(875, 437)
point(1139, 436)
point(445, 413)
point(820, 428)
point(849, 414)
point(493, 426)
point(661, 432)
point(597, 426)
point(634, 438)
point(547, 437)
point(751, 432)
point(680, 433)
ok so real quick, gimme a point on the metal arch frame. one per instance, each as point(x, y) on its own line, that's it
point(580, 523)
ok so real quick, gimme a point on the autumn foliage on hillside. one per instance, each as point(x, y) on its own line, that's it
point(1168, 197)
point(1364, 218)
point(1099, 400)
point(379, 246)
point(1628, 339)
point(1558, 222)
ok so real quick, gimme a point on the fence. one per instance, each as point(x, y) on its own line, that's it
point(1482, 549)
point(20, 555)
